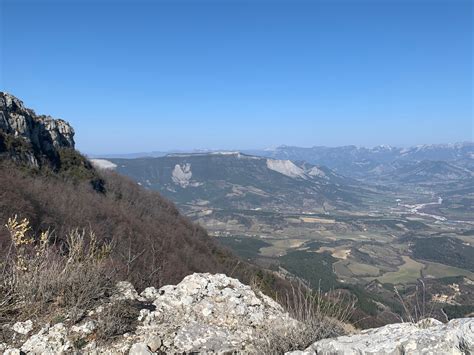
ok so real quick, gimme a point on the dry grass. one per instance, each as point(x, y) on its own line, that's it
point(415, 306)
point(40, 280)
point(319, 315)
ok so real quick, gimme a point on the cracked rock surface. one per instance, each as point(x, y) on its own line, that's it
point(428, 337)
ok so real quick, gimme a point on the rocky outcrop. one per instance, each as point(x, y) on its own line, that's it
point(204, 313)
point(209, 313)
point(31, 138)
point(428, 336)
point(217, 314)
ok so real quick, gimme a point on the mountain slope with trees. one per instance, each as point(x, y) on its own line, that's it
point(47, 181)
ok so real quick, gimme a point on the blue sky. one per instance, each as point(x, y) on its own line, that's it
point(157, 75)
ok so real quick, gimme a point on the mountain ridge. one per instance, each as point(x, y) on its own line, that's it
point(362, 163)
point(377, 148)
point(235, 180)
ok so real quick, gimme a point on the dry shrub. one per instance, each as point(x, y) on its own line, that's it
point(6, 334)
point(153, 244)
point(39, 279)
point(319, 315)
point(415, 305)
point(118, 318)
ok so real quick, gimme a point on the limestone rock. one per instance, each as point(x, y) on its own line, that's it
point(139, 349)
point(85, 328)
point(154, 343)
point(210, 313)
point(18, 120)
point(426, 337)
point(23, 327)
point(42, 135)
point(125, 291)
point(149, 294)
point(49, 340)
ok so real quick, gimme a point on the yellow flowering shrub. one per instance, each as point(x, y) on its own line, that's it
point(39, 278)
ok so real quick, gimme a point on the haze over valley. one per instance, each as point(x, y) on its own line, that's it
point(348, 217)
point(236, 177)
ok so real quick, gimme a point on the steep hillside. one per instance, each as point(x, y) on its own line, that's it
point(58, 190)
point(46, 181)
point(239, 181)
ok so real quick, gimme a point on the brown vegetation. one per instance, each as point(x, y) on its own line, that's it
point(117, 319)
point(153, 244)
point(319, 315)
point(68, 244)
point(38, 279)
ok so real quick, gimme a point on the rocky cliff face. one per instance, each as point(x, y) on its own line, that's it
point(30, 138)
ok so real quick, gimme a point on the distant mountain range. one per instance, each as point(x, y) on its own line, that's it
point(423, 172)
point(363, 163)
point(235, 180)
point(294, 179)
point(352, 161)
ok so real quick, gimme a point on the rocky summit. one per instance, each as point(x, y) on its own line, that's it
point(28, 137)
point(428, 336)
point(208, 313)
point(204, 313)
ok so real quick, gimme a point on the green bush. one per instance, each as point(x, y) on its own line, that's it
point(74, 166)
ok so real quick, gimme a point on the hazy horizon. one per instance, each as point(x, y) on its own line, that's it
point(145, 76)
point(204, 150)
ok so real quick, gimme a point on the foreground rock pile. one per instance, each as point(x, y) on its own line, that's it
point(214, 314)
point(429, 337)
point(210, 312)
point(203, 313)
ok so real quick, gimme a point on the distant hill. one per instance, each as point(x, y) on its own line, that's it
point(236, 180)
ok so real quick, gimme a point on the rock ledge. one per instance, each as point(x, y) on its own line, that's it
point(428, 336)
